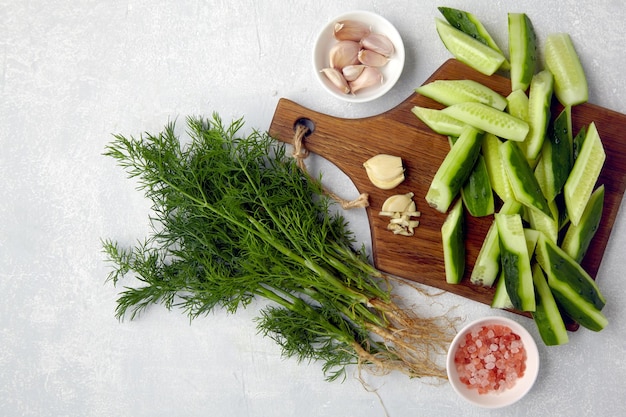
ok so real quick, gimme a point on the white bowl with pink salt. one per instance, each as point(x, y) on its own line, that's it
point(493, 362)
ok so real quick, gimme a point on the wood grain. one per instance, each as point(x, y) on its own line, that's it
point(347, 143)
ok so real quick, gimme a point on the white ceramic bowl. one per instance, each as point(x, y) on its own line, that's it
point(508, 396)
point(391, 71)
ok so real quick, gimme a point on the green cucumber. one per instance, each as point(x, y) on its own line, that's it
point(584, 175)
point(439, 122)
point(549, 225)
point(578, 237)
point(448, 92)
point(495, 167)
point(522, 50)
point(454, 170)
point(469, 24)
point(490, 120)
point(577, 143)
point(487, 264)
point(539, 101)
point(547, 316)
point(574, 290)
point(501, 298)
point(517, 104)
point(557, 157)
point(559, 266)
point(468, 50)
point(452, 236)
point(477, 192)
point(522, 179)
point(515, 261)
point(561, 59)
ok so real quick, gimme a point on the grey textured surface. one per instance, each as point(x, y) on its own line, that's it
point(73, 73)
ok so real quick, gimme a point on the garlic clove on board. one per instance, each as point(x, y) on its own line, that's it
point(379, 43)
point(337, 79)
point(369, 77)
point(344, 53)
point(385, 171)
point(350, 30)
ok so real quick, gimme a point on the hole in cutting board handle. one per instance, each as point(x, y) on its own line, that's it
point(308, 123)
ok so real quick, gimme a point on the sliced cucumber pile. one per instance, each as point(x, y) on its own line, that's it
point(512, 159)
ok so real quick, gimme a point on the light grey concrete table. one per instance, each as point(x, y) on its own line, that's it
point(73, 73)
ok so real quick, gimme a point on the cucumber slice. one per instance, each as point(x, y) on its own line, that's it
point(469, 24)
point(578, 237)
point(522, 50)
point(448, 92)
point(487, 264)
point(495, 167)
point(501, 298)
point(490, 120)
point(523, 182)
point(438, 121)
point(539, 101)
point(570, 82)
point(515, 261)
point(549, 225)
point(578, 141)
point(454, 244)
point(585, 172)
point(561, 267)
point(477, 192)
point(517, 102)
point(574, 290)
point(547, 315)
point(468, 50)
point(454, 170)
point(557, 156)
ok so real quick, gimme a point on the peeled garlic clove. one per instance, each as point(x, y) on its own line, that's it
point(385, 171)
point(398, 203)
point(378, 43)
point(369, 77)
point(337, 79)
point(371, 58)
point(344, 53)
point(352, 72)
point(350, 30)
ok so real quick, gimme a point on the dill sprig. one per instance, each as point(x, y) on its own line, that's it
point(234, 218)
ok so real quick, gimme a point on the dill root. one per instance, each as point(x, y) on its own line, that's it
point(234, 218)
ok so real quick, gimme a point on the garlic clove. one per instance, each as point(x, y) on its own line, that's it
point(352, 72)
point(344, 53)
point(350, 30)
point(385, 171)
point(379, 43)
point(337, 79)
point(371, 58)
point(369, 77)
point(398, 203)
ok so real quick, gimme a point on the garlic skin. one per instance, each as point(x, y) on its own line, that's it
point(385, 171)
point(369, 77)
point(337, 79)
point(344, 53)
point(350, 30)
point(379, 43)
point(371, 58)
point(352, 72)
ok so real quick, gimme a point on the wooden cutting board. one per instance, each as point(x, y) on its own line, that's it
point(348, 143)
